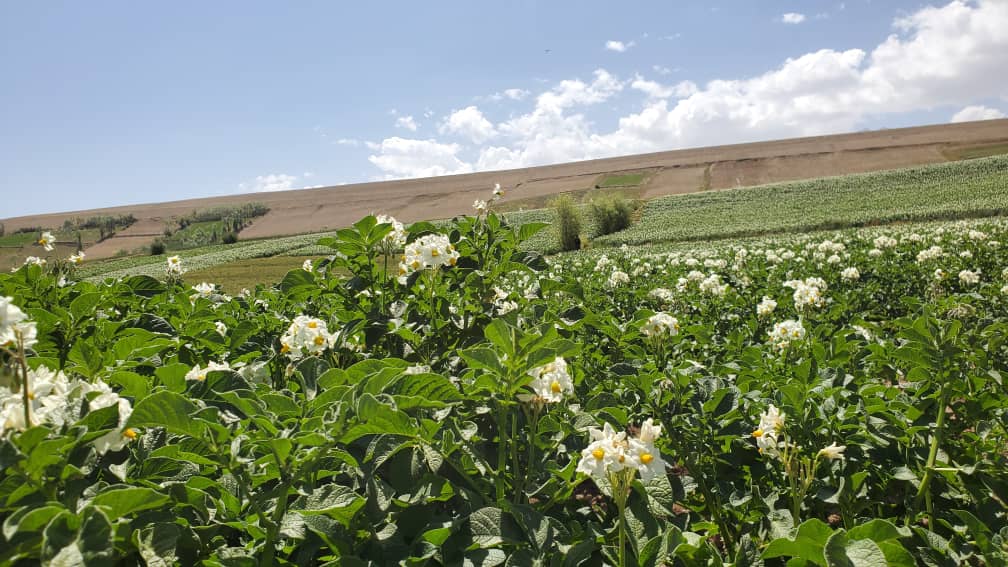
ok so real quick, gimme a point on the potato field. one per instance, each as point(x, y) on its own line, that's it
point(439, 395)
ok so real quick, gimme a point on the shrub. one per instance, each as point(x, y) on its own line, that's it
point(230, 238)
point(157, 248)
point(568, 223)
point(611, 213)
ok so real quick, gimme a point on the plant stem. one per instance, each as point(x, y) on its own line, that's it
point(936, 439)
point(501, 451)
point(23, 364)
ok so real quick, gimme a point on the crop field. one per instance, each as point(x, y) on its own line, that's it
point(953, 190)
point(835, 398)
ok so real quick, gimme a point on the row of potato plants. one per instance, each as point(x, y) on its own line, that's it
point(432, 395)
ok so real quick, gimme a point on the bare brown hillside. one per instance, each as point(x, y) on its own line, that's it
point(679, 171)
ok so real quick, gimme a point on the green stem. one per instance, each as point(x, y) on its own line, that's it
point(501, 451)
point(936, 439)
point(515, 465)
point(26, 395)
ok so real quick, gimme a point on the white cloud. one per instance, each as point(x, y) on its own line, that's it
point(618, 46)
point(401, 157)
point(793, 18)
point(656, 90)
point(271, 182)
point(307, 174)
point(470, 123)
point(406, 122)
point(977, 112)
point(937, 57)
point(349, 142)
point(663, 70)
point(516, 94)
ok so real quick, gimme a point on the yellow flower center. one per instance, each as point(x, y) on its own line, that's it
point(758, 433)
point(201, 377)
point(129, 433)
point(452, 261)
point(555, 387)
point(434, 253)
point(622, 458)
point(41, 241)
point(416, 264)
point(598, 454)
point(319, 340)
point(646, 458)
point(284, 348)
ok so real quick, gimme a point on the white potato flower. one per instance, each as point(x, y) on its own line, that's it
point(551, 381)
point(47, 240)
point(660, 325)
point(199, 373)
point(306, 335)
point(785, 333)
point(174, 266)
point(850, 274)
point(832, 452)
point(765, 307)
point(397, 237)
point(77, 258)
point(968, 277)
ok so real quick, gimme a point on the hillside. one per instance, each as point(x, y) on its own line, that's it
point(646, 176)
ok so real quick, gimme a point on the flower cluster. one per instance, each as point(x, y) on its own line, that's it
point(786, 332)
point(765, 307)
point(306, 335)
point(430, 251)
point(808, 292)
point(660, 325)
point(397, 237)
point(550, 382)
point(769, 431)
point(14, 324)
point(54, 400)
point(611, 452)
point(173, 267)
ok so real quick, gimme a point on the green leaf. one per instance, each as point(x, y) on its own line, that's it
point(30, 519)
point(144, 286)
point(807, 544)
point(157, 543)
point(169, 410)
point(297, 281)
point(841, 551)
point(501, 335)
point(875, 530)
point(119, 502)
point(332, 500)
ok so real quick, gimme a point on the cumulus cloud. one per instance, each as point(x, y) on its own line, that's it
point(654, 89)
point(470, 123)
point(793, 18)
point(270, 182)
point(618, 46)
point(402, 157)
point(977, 112)
point(937, 57)
point(406, 122)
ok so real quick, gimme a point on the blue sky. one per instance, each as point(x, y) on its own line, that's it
point(107, 103)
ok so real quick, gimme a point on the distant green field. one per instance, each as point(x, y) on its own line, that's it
point(964, 189)
point(629, 179)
